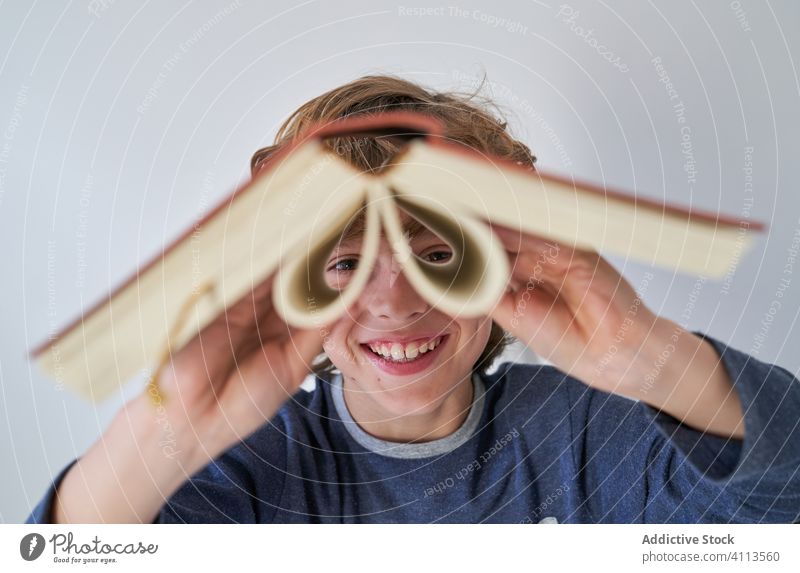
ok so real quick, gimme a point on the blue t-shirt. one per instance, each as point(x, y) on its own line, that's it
point(536, 447)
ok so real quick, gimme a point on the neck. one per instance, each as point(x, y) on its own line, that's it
point(430, 425)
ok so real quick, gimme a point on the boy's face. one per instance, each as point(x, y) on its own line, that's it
point(429, 352)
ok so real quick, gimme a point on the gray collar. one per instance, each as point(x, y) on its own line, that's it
point(410, 451)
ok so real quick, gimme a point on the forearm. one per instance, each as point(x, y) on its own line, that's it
point(128, 474)
point(681, 374)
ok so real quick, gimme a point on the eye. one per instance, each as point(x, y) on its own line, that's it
point(344, 265)
point(349, 264)
point(438, 256)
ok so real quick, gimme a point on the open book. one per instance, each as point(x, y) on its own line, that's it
point(289, 217)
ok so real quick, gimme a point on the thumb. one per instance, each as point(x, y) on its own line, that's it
point(302, 346)
point(524, 312)
point(505, 313)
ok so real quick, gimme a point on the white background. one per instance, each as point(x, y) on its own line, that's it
point(118, 128)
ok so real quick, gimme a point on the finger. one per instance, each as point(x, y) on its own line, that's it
point(250, 307)
point(271, 375)
point(529, 269)
point(300, 349)
point(516, 312)
point(233, 333)
point(529, 251)
point(503, 313)
point(517, 241)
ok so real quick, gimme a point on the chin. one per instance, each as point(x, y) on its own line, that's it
point(413, 397)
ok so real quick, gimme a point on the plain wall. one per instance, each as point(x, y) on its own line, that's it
point(118, 127)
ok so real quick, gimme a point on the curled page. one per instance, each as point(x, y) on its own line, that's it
point(302, 296)
point(473, 280)
point(468, 284)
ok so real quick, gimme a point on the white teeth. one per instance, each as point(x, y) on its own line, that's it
point(397, 352)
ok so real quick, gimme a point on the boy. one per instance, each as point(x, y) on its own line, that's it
point(406, 425)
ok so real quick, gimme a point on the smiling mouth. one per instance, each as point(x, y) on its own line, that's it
point(397, 353)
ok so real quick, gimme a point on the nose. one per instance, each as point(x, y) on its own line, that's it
point(389, 295)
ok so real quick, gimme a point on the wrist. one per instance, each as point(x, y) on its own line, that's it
point(164, 441)
point(681, 374)
point(129, 473)
point(661, 361)
point(651, 357)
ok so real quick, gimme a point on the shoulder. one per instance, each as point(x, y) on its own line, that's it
point(306, 417)
point(523, 392)
point(540, 401)
point(301, 413)
point(546, 392)
point(533, 381)
point(246, 482)
point(297, 422)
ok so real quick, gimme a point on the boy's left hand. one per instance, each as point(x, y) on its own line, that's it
point(571, 307)
point(574, 309)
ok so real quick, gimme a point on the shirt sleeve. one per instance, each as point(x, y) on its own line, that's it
point(638, 464)
point(219, 493)
point(243, 485)
point(43, 512)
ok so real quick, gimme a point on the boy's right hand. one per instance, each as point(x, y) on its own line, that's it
point(218, 389)
point(234, 375)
